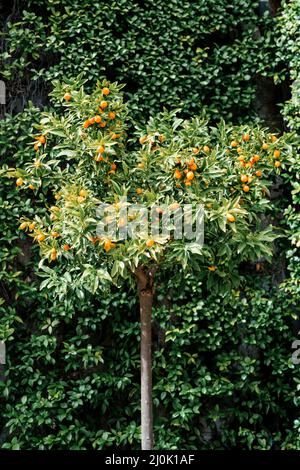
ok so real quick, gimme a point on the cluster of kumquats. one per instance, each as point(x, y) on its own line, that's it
point(50, 235)
point(251, 159)
point(187, 174)
point(104, 114)
point(237, 163)
point(252, 165)
point(43, 233)
point(105, 118)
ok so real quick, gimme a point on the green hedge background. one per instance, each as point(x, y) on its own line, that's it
point(223, 376)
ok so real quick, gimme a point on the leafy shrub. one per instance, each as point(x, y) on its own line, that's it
point(205, 54)
point(58, 392)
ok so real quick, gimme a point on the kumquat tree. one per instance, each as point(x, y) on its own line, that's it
point(177, 192)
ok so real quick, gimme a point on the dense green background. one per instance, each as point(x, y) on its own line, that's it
point(223, 378)
point(207, 53)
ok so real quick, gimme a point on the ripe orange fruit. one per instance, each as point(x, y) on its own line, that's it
point(244, 178)
point(53, 255)
point(212, 268)
point(98, 119)
point(42, 139)
point(190, 175)
point(31, 187)
point(246, 188)
point(83, 193)
point(111, 115)
point(150, 243)
point(273, 138)
point(32, 226)
point(239, 150)
point(265, 146)
point(19, 182)
point(248, 164)
point(67, 247)
point(141, 165)
point(143, 139)
point(192, 165)
point(86, 124)
point(105, 91)
point(115, 136)
point(277, 164)
point(101, 149)
point(241, 158)
point(139, 191)
point(276, 153)
point(80, 199)
point(99, 158)
point(234, 143)
point(108, 245)
point(67, 96)
point(55, 234)
point(195, 150)
point(23, 225)
point(187, 183)
point(92, 120)
point(161, 138)
point(256, 158)
point(258, 173)
point(103, 104)
point(36, 147)
point(102, 124)
point(41, 237)
point(230, 217)
point(206, 149)
point(177, 174)
point(113, 166)
point(246, 137)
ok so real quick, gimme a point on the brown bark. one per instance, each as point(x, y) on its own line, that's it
point(145, 278)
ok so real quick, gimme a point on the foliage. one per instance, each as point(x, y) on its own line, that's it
point(233, 350)
point(84, 155)
point(15, 271)
point(189, 54)
point(222, 374)
point(287, 53)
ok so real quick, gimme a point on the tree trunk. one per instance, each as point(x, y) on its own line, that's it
point(145, 290)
